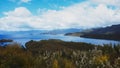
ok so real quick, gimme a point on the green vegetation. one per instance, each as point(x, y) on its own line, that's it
point(59, 54)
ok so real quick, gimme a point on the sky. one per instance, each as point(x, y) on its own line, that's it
point(19, 15)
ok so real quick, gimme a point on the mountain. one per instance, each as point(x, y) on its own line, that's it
point(20, 34)
point(34, 33)
point(110, 33)
point(63, 31)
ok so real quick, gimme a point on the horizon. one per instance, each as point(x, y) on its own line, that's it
point(21, 15)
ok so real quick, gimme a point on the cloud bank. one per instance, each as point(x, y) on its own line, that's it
point(89, 14)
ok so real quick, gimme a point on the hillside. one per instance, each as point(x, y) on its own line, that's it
point(59, 54)
point(110, 33)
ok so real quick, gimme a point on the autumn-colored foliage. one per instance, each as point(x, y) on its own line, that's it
point(59, 54)
point(13, 56)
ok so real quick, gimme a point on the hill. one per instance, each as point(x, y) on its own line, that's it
point(109, 33)
point(59, 54)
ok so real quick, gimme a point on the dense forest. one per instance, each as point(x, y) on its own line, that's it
point(59, 54)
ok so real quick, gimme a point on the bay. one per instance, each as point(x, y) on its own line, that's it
point(22, 39)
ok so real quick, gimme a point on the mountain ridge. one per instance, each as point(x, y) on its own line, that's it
point(109, 33)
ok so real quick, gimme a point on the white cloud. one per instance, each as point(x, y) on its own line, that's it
point(107, 2)
point(81, 15)
point(21, 12)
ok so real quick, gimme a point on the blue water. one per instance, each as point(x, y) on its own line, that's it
point(23, 38)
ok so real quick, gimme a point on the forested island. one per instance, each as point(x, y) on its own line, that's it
point(59, 54)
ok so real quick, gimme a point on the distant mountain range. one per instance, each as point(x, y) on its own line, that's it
point(110, 32)
point(56, 31)
point(33, 33)
point(63, 31)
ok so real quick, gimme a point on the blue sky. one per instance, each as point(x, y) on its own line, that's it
point(33, 5)
point(58, 14)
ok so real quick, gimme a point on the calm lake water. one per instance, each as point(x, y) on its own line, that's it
point(22, 39)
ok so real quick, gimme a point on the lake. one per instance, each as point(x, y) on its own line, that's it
point(22, 39)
